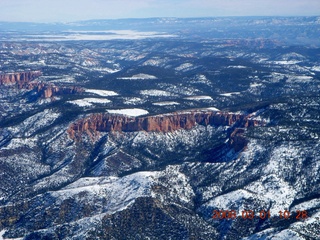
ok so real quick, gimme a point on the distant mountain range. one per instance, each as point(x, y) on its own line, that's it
point(294, 30)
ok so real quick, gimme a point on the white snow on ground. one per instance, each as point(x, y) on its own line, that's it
point(184, 66)
point(275, 190)
point(165, 103)
point(272, 188)
point(103, 93)
point(21, 142)
point(311, 219)
point(155, 92)
point(59, 79)
point(272, 233)
point(81, 103)
point(178, 186)
point(252, 85)
point(133, 112)
point(316, 68)
point(299, 79)
point(234, 200)
point(237, 67)
point(119, 192)
point(86, 102)
point(201, 79)
point(199, 98)
point(179, 89)
point(35, 122)
point(105, 69)
point(133, 101)
point(276, 77)
point(286, 234)
point(2, 238)
point(140, 76)
point(315, 203)
point(213, 109)
point(287, 62)
point(229, 94)
point(154, 62)
point(89, 35)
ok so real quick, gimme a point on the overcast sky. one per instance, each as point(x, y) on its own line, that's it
point(72, 10)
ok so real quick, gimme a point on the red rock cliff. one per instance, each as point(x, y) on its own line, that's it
point(20, 78)
point(50, 90)
point(158, 123)
point(46, 90)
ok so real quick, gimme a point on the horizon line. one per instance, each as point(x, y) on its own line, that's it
point(145, 18)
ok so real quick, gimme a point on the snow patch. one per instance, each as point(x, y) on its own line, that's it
point(234, 200)
point(103, 93)
point(133, 112)
point(133, 101)
point(239, 67)
point(316, 68)
point(2, 238)
point(120, 192)
point(165, 103)
point(253, 85)
point(274, 190)
point(229, 94)
point(140, 76)
point(197, 98)
point(86, 102)
point(292, 62)
point(213, 109)
point(155, 92)
point(184, 66)
point(36, 122)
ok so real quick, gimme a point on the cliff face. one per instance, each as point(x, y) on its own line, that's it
point(49, 90)
point(159, 123)
point(46, 90)
point(19, 79)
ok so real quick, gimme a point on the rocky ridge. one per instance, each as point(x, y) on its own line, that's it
point(24, 80)
point(50, 90)
point(21, 79)
point(164, 123)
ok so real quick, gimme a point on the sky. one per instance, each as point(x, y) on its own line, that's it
point(74, 10)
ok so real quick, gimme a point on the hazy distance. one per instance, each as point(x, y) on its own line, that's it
point(74, 10)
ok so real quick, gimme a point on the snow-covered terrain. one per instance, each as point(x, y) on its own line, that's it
point(199, 98)
point(168, 103)
point(67, 174)
point(230, 94)
point(155, 92)
point(119, 192)
point(86, 102)
point(140, 76)
point(103, 93)
point(133, 112)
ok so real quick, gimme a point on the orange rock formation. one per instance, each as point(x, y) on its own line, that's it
point(46, 90)
point(158, 123)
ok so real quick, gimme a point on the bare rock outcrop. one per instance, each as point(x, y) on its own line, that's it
point(50, 90)
point(102, 122)
point(24, 80)
point(20, 79)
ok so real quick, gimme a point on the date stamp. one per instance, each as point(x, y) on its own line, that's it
point(262, 214)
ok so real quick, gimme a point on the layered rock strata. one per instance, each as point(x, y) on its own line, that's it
point(24, 80)
point(49, 90)
point(20, 78)
point(159, 123)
